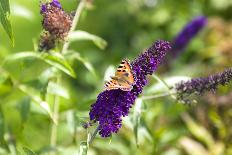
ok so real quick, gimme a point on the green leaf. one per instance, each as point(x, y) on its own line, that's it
point(5, 86)
point(218, 122)
point(188, 144)
point(25, 108)
point(22, 11)
point(198, 131)
point(3, 150)
point(46, 150)
point(55, 89)
point(116, 146)
point(5, 18)
point(141, 131)
point(83, 148)
point(32, 94)
point(136, 118)
point(2, 126)
point(82, 35)
point(28, 151)
point(10, 141)
point(54, 59)
point(5, 5)
point(146, 132)
point(71, 122)
point(75, 55)
point(88, 65)
point(21, 55)
point(24, 69)
point(58, 61)
point(44, 79)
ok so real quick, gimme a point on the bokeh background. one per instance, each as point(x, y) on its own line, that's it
point(128, 26)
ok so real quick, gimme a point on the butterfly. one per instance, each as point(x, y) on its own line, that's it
point(124, 78)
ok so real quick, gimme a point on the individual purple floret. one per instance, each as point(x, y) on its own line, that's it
point(198, 86)
point(112, 105)
point(43, 8)
point(187, 33)
point(54, 3)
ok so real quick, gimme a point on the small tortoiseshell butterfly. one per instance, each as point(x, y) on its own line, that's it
point(124, 78)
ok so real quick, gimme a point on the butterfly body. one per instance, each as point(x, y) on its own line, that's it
point(124, 78)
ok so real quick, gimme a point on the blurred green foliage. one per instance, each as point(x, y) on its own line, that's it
point(155, 126)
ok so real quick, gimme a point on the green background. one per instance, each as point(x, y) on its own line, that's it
point(165, 126)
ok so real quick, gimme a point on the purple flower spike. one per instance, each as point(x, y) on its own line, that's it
point(198, 86)
point(112, 105)
point(188, 32)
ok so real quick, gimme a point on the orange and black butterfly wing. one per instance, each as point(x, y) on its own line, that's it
point(117, 84)
point(124, 71)
point(123, 79)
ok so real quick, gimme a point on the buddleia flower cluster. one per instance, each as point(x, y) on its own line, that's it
point(47, 41)
point(112, 105)
point(187, 34)
point(56, 24)
point(197, 86)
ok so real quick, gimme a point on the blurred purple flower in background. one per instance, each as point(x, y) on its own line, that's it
point(55, 20)
point(56, 23)
point(198, 86)
point(187, 34)
point(112, 105)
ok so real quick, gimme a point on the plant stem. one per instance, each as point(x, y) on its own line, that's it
point(170, 89)
point(55, 116)
point(94, 135)
point(157, 96)
point(56, 104)
point(75, 22)
point(161, 81)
